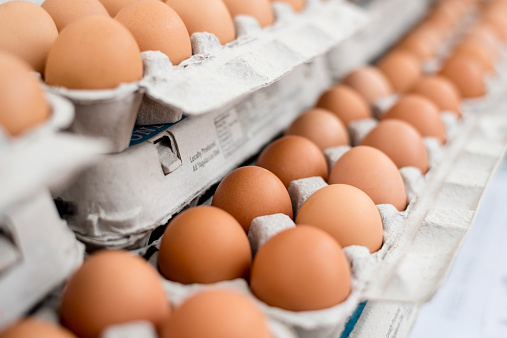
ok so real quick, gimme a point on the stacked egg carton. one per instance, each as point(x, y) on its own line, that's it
point(33, 238)
point(235, 128)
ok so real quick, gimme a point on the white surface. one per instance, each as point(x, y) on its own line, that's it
point(473, 301)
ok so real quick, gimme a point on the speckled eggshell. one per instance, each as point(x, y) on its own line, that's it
point(346, 213)
point(301, 269)
point(292, 158)
point(156, 26)
point(321, 127)
point(217, 313)
point(23, 104)
point(402, 68)
point(401, 142)
point(466, 74)
point(27, 31)
point(441, 91)
point(249, 192)
point(112, 287)
point(369, 82)
point(94, 53)
point(35, 328)
point(345, 103)
point(65, 12)
point(210, 16)
point(261, 10)
point(204, 245)
point(421, 113)
point(374, 173)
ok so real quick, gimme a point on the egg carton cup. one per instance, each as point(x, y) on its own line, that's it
point(38, 252)
point(108, 114)
point(381, 31)
point(120, 200)
point(218, 77)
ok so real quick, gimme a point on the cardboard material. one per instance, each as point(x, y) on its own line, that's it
point(108, 114)
point(39, 253)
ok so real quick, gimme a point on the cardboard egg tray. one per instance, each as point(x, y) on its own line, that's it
point(122, 199)
point(37, 249)
point(420, 243)
point(216, 78)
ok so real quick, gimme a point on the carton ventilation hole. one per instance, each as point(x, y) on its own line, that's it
point(168, 153)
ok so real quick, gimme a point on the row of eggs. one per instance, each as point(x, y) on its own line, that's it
point(279, 271)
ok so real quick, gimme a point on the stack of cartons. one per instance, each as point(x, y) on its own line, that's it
point(201, 119)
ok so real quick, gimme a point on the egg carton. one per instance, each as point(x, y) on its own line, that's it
point(424, 238)
point(38, 252)
point(377, 35)
point(120, 200)
point(216, 78)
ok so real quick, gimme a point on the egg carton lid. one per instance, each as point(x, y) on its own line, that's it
point(220, 76)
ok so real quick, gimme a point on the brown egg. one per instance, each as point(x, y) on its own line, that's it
point(301, 269)
point(209, 16)
point(297, 5)
point(321, 127)
point(114, 6)
point(419, 112)
point(441, 91)
point(156, 26)
point(374, 173)
point(261, 10)
point(249, 192)
point(35, 328)
point(401, 142)
point(27, 31)
point(346, 213)
point(477, 52)
point(204, 245)
point(369, 82)
point(112, 287)
point(421, 43)
point(345, 103)
point(292, 158)
point(217, 313)
point(466, 74)
point(402, 68)
point(22, 101)
point(94, 53)
point(65, 12)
